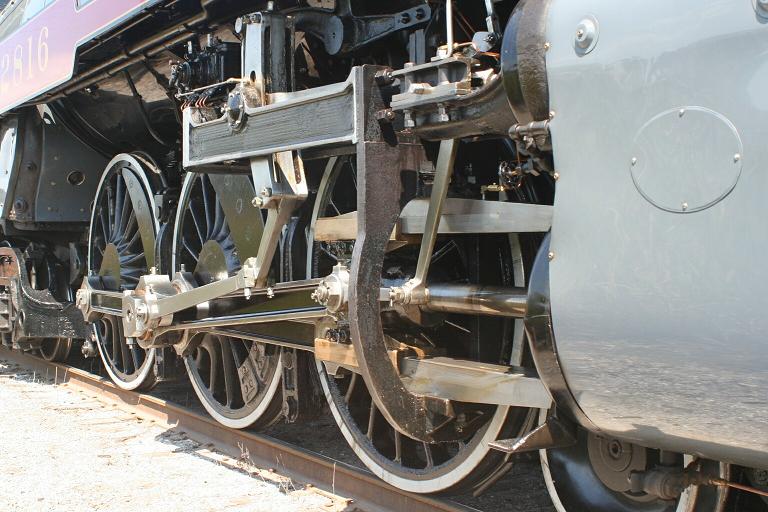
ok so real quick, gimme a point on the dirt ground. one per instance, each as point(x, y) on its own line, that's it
point(63, 450)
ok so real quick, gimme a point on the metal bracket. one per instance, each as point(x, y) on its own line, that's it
point(289, 359)
point(554, 433)
point(343, 32)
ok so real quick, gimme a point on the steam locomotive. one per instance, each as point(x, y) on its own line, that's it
point(474, 229)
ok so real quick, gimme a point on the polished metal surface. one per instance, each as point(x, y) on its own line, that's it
point(477, 300)
point(477, 216)
point(247, 319)
point(469, 381)
point(659, 312)
point(281, 126)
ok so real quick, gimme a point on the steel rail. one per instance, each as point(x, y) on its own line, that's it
point(369, 492)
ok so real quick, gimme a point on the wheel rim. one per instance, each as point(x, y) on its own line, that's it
point(401, 461)
point(576, 482)
point(121, 250)
point(238, 381)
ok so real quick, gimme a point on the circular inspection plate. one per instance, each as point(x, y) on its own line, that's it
point(686, 159)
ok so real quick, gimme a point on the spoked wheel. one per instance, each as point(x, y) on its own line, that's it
point(465, 463)
point(46, 274)
point(594, 475)
point(238, 381)
point(121, 248)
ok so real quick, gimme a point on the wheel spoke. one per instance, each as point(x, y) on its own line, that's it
point(126, 210)
point(125, 355)
point(189, 249)
point(351, 387)
point(111, 213)
point(230, 371)
point(103, 222)
point(213, 373)
point(428, 455)
point(131, 226)
point(198, 223)
point(219, 231)
point(371, 419)
point(119, 201)
point(207, 207)
point(126, 247)
point(130, 259)
point(135, 357)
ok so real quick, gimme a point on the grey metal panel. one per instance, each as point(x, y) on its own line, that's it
point(58, 198)
point(660, 315)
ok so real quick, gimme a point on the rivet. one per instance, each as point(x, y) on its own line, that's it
point(586, 35)
point(556, 176)
point(737, 156)
point(634, 161)
point(547, 46)
point(551, 255)
point(257, 201)
point(681, 112)
point(551, 115)
point(684, 206)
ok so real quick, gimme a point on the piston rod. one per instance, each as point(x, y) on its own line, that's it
point(477, 300)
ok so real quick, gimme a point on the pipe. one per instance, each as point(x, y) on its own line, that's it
point(477, 300)
point(449, 26)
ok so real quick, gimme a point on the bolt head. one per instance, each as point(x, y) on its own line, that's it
point(550, 255)
point(257, 202)
point(586, 35)
point(556, 176)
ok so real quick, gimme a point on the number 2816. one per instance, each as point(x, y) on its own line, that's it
point(25, 61)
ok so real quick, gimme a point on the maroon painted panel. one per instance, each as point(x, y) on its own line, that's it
point(41, 53)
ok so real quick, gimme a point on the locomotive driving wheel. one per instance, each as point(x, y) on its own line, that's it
point(237, 380)
point(121, 247)
point(594, 475)
point(462, 460)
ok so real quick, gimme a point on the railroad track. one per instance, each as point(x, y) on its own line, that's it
point(368, 492)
